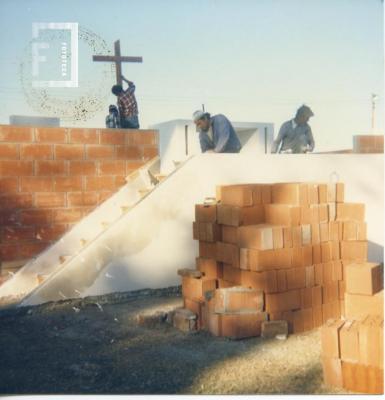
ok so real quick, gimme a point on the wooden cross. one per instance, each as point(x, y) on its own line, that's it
point(117, 59)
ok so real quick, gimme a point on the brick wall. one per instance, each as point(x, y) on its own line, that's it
point(50, 178)
point(368, 144)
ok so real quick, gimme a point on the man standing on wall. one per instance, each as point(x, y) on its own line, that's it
point(216, 134)
point(295, 136)
point(128, 107)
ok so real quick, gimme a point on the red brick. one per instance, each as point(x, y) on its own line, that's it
point(112, 136)
point(9, 185)
point(16, 200)
point(36, 151)
point(50, 168)
point(120, 181)
point(132, 166)
point(66, 216)
point(100, 152)
point(8, 151)
point(51, 135)
point(36, 217)
point(68, 184)
point(129, 152)
point(9, 218)
point(28, 250)
point(69, 152)
point(50, 232)
point(78, 199)
point(82, 168)
point(84, 136)
point(9, 252)
point(16, 233)
point(150, 152)
point(142, 137)
point(112, 168)
point(16, 168)
point(34, 184)
point(50, 200)
point(10, 133)
point(100, 183)
point(103, 196)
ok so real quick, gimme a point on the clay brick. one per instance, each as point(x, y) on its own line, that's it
point(16, 168)
point(297, 236)
point(332, 371)
point(230, 234)
point(207, 250)
point(341, 290)
point(331, 310)
point(354, 250)
point(314, 210)
point(129, 152)
point(306, 298)
point(82, 168)
point(150, 152)
point(306, 235)
point(112, 136)
point(34, 184)
point(132, 166)
point(236, 195)
point(79, 199)
point(330, 342)
point(17, 233)
point(342, 308)
point(103, 196)
point(84, 136)
point(142, 137)
point(36, 151)
point(298, 321)
point(227, 253)
point(349, 341)
point(119, 181)
point(332, 211)
point(296, 278)
point(317, 316)
point(290, 193)
point(51, 135)
point(193, 288)
point(28, 250)
point(254, 280)
point(100, 152)
point(50, 168)
point(206, 231)
point(323, 213)
point(271, 285)
point(63, 216)
point(262, 260)
point(312, 193)
point(282, 214)
point(68, 184)
point(222, 284)
point(358, 306)
point(336, 271)
point(317, 254)
point(326, 252)
point(50, 200)
point(327, 272)
point(262, 194)
point(205, 212)
point(324, 232)
point(189, 272)
point(287, 237)
point(100, 183)
point(362, 378)
point(258, 237)
point(9, 252)
point(284, 301)
point(239, 326)
point(307, 316)
point(236, 216)
point(318, 274)
point(112, 168)
point(281, 280)
point(302, 256)
point(370, 337)
point(309, 274)
point(306, 215)
point(231, 274)
point(330, 292)
point(350, 212)
point(316, 296)
point(9, 185)
point(238, 299)
point(210, 268)
point(364, 278)
point(322, 193)
point(69, 152)
point(270, 329)
point(9, 151)
point(51, 232)
point(334, 231)
point(11, 133)
point(16, 200)
point(196, 307)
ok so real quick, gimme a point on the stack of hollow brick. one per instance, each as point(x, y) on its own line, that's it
point(274, 252)
point(352, 349)
point(368, 144)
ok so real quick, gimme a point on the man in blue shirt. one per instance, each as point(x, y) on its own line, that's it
point(216, 134)
point(295, 135)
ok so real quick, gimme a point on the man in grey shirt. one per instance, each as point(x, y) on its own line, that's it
point(295, 136)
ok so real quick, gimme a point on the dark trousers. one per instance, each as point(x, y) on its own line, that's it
point(130, 122)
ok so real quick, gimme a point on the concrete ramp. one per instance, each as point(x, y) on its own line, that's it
point(145, 246)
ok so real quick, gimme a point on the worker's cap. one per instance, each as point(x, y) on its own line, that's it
point(305, 111)
point(112, 107)
point(199, 114)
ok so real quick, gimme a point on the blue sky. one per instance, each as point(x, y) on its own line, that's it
point(252, 60)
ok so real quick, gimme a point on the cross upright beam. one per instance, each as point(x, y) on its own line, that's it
point(117, 59)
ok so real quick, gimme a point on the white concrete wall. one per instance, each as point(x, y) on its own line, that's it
point(145, 248)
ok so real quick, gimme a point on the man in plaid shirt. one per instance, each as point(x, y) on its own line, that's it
point(128, 107)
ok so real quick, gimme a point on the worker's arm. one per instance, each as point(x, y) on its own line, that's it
point(131, 86)
point(223, 130)
point(278, 140)
point(310, 139)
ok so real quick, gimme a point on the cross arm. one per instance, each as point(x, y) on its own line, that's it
point(117, 59)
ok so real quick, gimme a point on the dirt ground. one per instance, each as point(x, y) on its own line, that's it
point(80, 347)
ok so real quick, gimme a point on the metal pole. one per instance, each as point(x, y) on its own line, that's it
point(186, 138)
point(203, 107)
point(265, 140)
point(374, 98)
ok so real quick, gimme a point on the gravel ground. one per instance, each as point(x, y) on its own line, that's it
point(80, 347)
